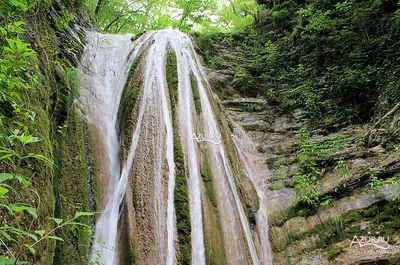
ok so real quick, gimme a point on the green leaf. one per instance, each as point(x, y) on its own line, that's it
point(3, 191)
point(23, 6)
point(32, 211)
point(6, 235)
point(40, 232)
point(20, 208)
point(23, 181)
point(34, 237)
point(39, 157)
point(79, 214)
point(57, 220)
point(31, 249)
point(56, 238)
point(7, 156)
point(3, 32)
point(6, 261)
point(80, 224)
point(22, 262)
point(19, 23)
point(5, 176)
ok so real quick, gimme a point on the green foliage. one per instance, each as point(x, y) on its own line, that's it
point(63, 19)
point(250, 107)
point(117, 16)
point(305, 183)
point(26, 161)
point(236, 16)
point(331, 58)
point(17, 62)
point(374, 182)
point(193, 11)
point(19, 236)
point(310, 151)
point(306, 189)
point(337, 222)
point(343, 168)
point(270, 55)
point(243, 79)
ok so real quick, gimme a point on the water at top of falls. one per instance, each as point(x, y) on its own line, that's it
point(106, 64)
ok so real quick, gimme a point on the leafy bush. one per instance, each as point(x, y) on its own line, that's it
point(243, 79)
point(334, 59)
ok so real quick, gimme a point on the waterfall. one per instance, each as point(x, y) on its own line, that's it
point(141, 175)
point(256, 169)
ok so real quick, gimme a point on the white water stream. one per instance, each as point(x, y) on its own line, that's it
point(105, 67)
point(256, 169)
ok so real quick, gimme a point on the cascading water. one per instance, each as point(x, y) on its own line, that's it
point(105, 70)
point(255, 169)
point(148, 166)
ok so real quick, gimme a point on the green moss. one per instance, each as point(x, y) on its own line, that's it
point(385, 223)
point(128, 100)
point(181, 201)
point(352, 217)
point(181, 193)
point(62, 187)
point(207, 176)
point(134, 66)
point(196, 94)
point(230, 125)
point(334, 253)
point(214, 245)
point(213, 237)
point(58, 189)
point(172, 78)
point(370, 212)
point(71, 189)
point(127, 104)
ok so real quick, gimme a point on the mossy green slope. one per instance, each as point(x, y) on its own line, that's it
point(60, 188)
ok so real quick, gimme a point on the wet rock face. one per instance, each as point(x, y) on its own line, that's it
point(349, 201)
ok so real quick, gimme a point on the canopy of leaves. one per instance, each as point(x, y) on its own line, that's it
point(118, 16)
